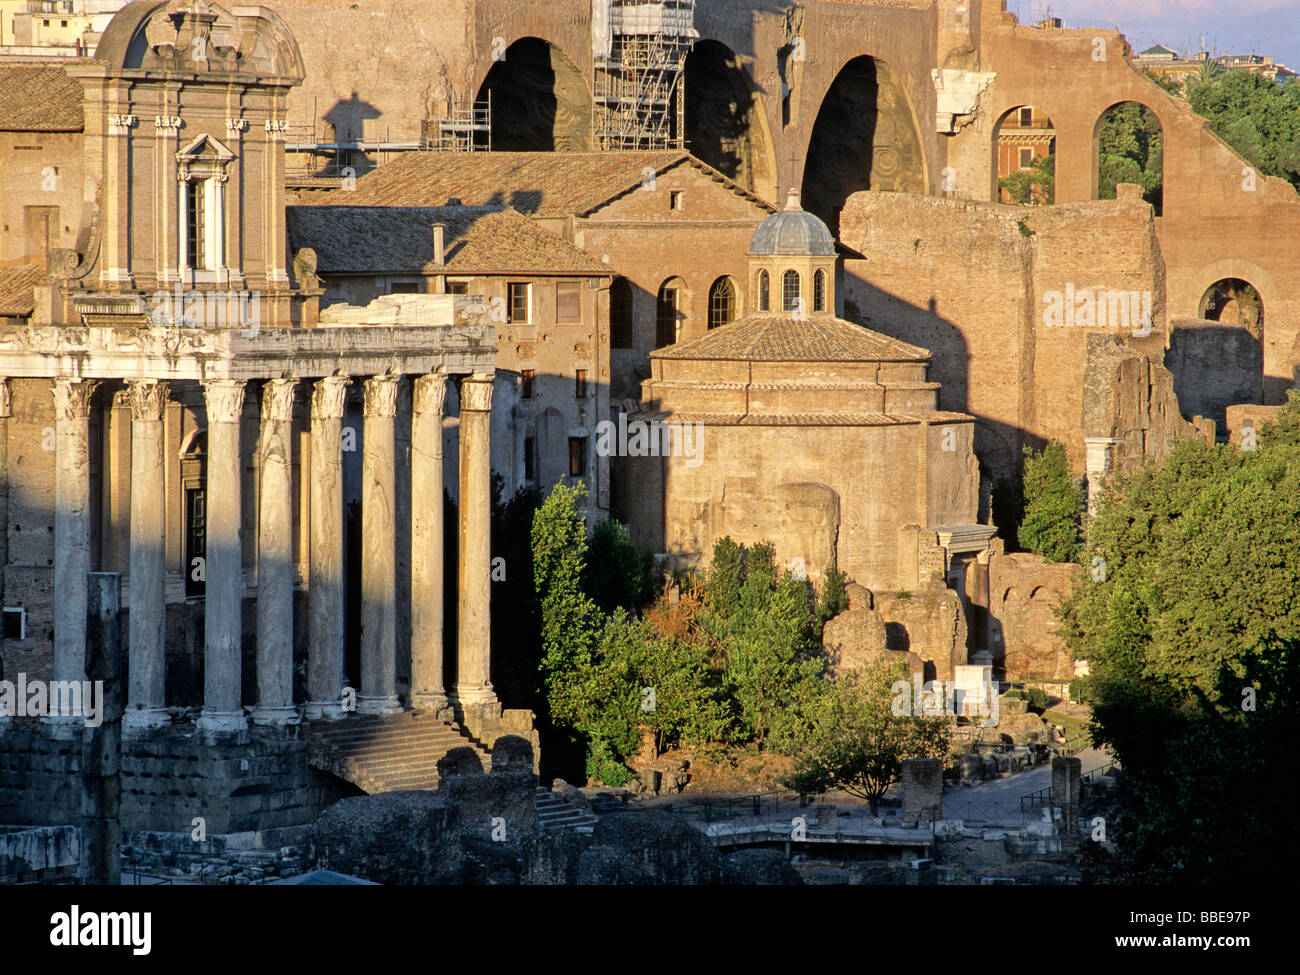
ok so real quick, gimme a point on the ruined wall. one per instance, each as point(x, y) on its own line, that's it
point(1220, 218)
point(1214, 365)
point(1024, 637)
point(995, 353)
point(443, 49)
point(1130, 398)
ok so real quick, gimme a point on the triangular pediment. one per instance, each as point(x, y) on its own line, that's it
point(205, 148)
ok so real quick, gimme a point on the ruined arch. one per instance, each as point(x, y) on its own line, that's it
point(865, 137)
point(1128, 147)
point(1024, 157)
point(725, 124)
point(540, 100)
point(1233, 301)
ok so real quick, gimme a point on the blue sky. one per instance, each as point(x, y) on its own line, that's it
point(1229, 26)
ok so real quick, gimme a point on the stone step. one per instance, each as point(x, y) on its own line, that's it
point(388, 753)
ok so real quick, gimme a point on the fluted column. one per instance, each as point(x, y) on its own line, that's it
point(223, 614)
point(378, 563)
point(275, 559)
point(428, 400)
point(146, 704)
point(71, 534)
point(473, 678)
point(325, 592)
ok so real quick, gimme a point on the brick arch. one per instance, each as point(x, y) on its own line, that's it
point(519, 121)
point(1099, 121)
point(735, 142)
point(1000, 116)
point(887, 143)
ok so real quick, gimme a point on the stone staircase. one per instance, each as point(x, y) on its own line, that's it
point(556, 812)
point(386, 753)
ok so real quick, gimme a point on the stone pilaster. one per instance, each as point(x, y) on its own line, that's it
point(325, 593)
point(72, 398)
point(275, 558)
point(223, 614)
point(117, 205)
point(378, 563)
point(428, 400)
point(146, 704)
point(168, 215)
point(473, 677)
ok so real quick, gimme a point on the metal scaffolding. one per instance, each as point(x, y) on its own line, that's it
point(465, 129)
point(639, 59)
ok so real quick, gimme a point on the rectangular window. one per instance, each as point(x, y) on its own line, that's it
point(675, 200)
point(404, 288)
point(526, 383)
point(1026, 158)
point(580, 385)
point(15, 623)
point(666, 318)
point(1026, 117)
point(196, 541)
point(577, 456)
point(457, 287)
point(518, 310)
point(196, 227)
point(568, 303)
point(530, 459)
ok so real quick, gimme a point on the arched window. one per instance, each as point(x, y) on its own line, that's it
point(764, 304)
point(790, 291)
point(722, 303)
point(668, 313)
point(621, 329)
point(819, 291)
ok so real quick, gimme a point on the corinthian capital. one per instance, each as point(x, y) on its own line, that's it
point(72, 398)
point(381, 395)
point(277, 399)
point(225, 400)
point(148, 396)
point(329, 397)
point(430, 394)
point(476, 394)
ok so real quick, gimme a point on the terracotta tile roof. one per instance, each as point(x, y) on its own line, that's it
point(782, 338)
point(543, 184)
point(37, 98)
point(16, 284)
point(478, 240)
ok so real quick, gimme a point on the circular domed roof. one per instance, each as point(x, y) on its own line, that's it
point(793, 232)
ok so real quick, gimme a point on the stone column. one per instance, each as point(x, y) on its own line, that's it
point(1099, 453)
point(378, 563)
point(71, 536)
point(325, 663)
point(275, 559)
point(473, 677)
point(429, 397)
point(223, 614)
point(146, 707)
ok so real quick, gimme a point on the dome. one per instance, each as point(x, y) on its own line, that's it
point(793, 232)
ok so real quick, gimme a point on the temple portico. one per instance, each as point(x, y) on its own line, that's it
point(429, 344)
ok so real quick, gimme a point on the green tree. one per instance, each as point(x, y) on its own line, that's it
point(1192, 637)
point(773, 666)
point(833, 598)
point(617, 575)
point(1035, 185)
point(1054, 505)
point(858, 740)
point(571, 620)
point(1257, 117)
